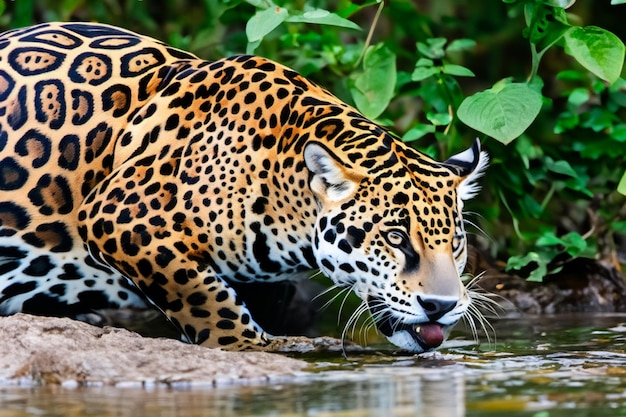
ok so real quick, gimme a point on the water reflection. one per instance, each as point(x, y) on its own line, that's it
point(373, 392)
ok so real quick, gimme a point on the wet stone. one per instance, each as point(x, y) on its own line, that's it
point(44, 350)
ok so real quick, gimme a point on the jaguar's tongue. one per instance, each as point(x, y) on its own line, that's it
point(430, 333)
point(427, 335)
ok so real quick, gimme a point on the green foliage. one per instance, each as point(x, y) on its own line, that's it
point(372, 88)
point(602, 54)
point(548, 248)
point(541, 78)
point(503, 112)
point(270, 16)
point(596, 49)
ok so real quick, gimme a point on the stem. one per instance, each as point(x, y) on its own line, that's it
point(451, 111)
point(370, 34)
point(548, 197)
point(536, 58)
point(515, 221)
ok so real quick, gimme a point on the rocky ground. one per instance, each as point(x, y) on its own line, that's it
point(61, 351)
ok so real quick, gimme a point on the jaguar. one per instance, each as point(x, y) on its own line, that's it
point(135, 175)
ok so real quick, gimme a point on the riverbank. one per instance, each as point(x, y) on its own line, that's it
point(47, 350)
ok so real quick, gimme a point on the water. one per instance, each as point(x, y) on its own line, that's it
point(570, 366)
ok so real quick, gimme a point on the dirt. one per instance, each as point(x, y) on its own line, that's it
point(45, 350)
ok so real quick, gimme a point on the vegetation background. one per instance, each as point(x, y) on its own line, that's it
point(551, 192)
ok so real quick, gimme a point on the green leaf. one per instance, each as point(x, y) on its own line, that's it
point(565, 4)
point(579, 184)
point(461, 45)
point(527, 150)
point(570, 75)
point(322, 17)
point(598, 50)
point(599, 119)
point(616, 2)
point(574, 243)
point(530, 206)
point(566, 121)
point(457, 70)
point(450, 93)
point(503, 112)
point(549, 239)
point(600, 148)
point(618, 133)
point(621, 187)
point(265, 21)
point(433, 48)
point(421, 73)
point(373, 88)
point(560, 167)
point(402, 79)
point(424, 62)
point(578, 96)
point(439, 119)
point(418, 132)
point(349, 7)
point(521, 261)
point(547, 26)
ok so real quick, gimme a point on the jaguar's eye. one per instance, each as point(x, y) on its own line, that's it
point(396, 238)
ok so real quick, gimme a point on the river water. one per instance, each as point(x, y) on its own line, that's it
point(569, 365)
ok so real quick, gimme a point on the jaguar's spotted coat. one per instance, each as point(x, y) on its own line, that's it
point(131, 169)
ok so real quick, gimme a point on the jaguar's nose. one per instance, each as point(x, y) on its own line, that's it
point(435, 308)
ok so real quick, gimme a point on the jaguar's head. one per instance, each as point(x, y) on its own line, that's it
point(390, 227)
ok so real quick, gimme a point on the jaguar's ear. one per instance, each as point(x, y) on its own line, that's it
point(330, 180)
point(469, 165)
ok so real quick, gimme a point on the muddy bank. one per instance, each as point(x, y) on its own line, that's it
point(61, 351)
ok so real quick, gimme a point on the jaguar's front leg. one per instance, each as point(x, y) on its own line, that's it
point(167, 264)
